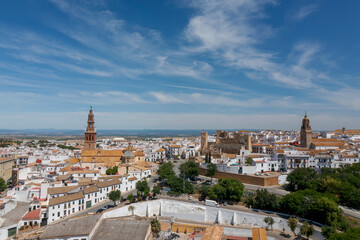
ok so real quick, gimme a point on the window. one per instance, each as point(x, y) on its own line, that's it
point(58, 214)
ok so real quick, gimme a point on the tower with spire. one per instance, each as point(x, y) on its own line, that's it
point(90, 133)
point(305, 133)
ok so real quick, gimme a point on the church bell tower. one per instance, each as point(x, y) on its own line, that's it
point(90, 133)
point(305, 133)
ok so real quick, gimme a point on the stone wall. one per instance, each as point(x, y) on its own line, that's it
point(202, 214)
point(254, 180)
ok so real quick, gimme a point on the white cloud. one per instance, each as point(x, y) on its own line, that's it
point(230, 31)
point(305, 11)
point(345, 98)
point(103, 98)
point(207, 99)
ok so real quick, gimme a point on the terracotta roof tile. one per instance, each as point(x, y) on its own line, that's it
point(33, 215)
point(66, 198)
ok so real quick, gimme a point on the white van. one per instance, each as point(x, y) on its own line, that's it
point(211, 203)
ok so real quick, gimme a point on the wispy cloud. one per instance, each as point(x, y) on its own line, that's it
point(230, 32)
point(206, 99)
point(345, 98)
point(103, 98)
point(305, 11)
point(160, 120)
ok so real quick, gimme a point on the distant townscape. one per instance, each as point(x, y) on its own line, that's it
point(203, 187)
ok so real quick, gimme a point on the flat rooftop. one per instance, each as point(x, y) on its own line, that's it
point(15, 215)
point(80, 226)
point(123, 228)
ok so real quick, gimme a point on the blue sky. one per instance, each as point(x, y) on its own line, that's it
point(179, 64)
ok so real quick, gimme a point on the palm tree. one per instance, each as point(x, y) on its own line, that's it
point(131, 208)
point(155, 226)
point(270, 222)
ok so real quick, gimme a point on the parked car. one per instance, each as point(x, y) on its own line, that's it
point(107, 206)
point(191, 198)
point(100, 210)
point(225, 203)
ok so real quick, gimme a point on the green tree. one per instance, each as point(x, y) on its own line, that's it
point(211, 170)
point(190, 169)
point(203, 190)
point(206, 158)
point(307, 230)
point(310, 231)
point(249, 198)
point(234, 189)
point(328, 231)
point(115, 196)
point(351, 233)
point(217, 192)
point(302, 178)
point(3, 185)
point(131, 209)
point(156, 190)
point(179, 185)
point(143, 187)
point(166, 170)
point(249, 161)
point(131, 198)
point(269, 221)
point(266, 201)
point(293, 223)
point(112, 171)
point(312, 205)
point(155, 226)
point(328, 184)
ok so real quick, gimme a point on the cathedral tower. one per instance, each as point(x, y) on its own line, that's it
point(204, 142)
point(305, 133)
point(90, 133)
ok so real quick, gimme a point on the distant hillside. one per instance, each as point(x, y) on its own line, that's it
point(100, 132)
point(103, 133)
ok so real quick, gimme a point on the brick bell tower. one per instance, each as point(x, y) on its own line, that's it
point(305, 133)
point(90, 133)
